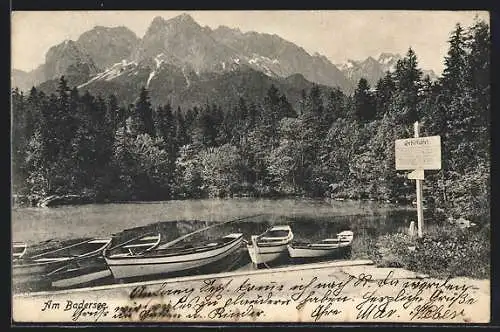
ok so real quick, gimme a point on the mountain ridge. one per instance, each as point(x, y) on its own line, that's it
point(185, 43)
point(374, 69)
point(180, 59)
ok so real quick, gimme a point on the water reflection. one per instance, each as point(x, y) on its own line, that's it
point(311, 224)
point(34, 225)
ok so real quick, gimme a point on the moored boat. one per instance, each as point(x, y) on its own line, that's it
point(270, 245)
point(326, 247)
point(92, 269)
point(19, 250)
point(53, 259)
point(181, 257)
point(79, 272)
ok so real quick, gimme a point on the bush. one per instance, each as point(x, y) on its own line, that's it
point(393, 250)
point(363, 247)
point(443, 251)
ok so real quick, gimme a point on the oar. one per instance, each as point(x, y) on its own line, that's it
point(60, 249)
point(171, 243)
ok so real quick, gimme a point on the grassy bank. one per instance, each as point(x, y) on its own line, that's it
point(444, 250)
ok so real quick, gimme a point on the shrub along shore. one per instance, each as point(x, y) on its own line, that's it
point(444, 251)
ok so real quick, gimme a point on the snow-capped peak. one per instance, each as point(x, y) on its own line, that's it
point(264, 64)
point(388, 58)
point(347, 64)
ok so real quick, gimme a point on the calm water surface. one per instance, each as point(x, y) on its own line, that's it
point(308, 217)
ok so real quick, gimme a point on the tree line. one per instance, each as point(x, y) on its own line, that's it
point(332, 145)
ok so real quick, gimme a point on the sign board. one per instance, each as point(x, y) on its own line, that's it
point(418, 153)
point(417, 174)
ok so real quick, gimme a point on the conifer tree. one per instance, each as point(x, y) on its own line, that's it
point(385, 90)
point(166, 130)
point(453, 78)
point(364, 103)
point(181, 137)
point(113, 113)
point(19, 138)
point(143, 115)
point(407, 82)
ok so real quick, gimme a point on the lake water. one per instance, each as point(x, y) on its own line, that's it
point(50, 228)
point(313, 217)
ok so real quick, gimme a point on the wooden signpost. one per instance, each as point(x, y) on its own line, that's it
point(418, 154)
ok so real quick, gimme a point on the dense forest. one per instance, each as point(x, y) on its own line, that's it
point(333, 145)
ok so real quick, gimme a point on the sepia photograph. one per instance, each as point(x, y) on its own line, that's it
point(313, 166)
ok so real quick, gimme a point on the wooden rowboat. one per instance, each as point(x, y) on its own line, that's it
point(91, 269)
point(270, 245)
point(180, 257)
point(54, 259)
point(326, 247)
point(79, 272)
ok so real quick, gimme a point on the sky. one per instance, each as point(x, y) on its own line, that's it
point(337, 34)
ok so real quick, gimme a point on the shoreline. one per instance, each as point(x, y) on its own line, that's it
point(250, 198)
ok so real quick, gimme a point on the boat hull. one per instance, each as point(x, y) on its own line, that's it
point(261, 255)
point(80, 272)
point(44, 263)
point(316, 252)
point(124, 268)
point(81, 279)
point(269, 246)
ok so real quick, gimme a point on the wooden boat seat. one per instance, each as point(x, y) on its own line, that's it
point(120, 255)
point(139, 245)
point(233, 235)
point(55, 259)
point(150, 238)
point(100, 241)
point(186, 248)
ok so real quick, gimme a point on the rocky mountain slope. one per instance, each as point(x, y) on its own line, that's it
point(181, 62)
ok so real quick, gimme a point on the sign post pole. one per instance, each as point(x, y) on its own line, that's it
point(418, 154)
point(420, 210)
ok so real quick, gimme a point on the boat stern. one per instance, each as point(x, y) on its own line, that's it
point(346, 236)
point(253, 249)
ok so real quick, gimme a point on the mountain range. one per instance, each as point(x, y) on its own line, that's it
point(186, 64)
point(374, 69)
